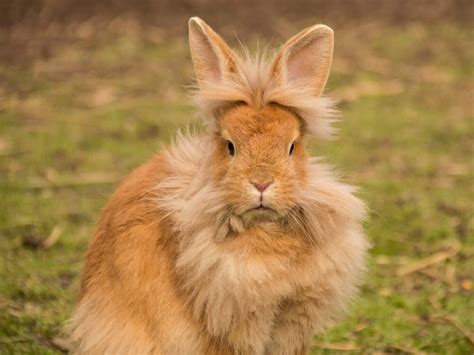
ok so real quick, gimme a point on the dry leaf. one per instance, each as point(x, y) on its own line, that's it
point(383, 260)
point(102, 96)
point(386, 292)
point(360, 327)
point(466, 285)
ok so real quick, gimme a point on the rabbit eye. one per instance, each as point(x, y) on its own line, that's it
point(292, 148)
point(230, 148)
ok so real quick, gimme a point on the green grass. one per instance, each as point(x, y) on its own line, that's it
point(99, 105)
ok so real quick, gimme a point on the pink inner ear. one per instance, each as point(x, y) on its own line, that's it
point(309, 61)
point(302, 62)
point(213, 67)
point(207, 61)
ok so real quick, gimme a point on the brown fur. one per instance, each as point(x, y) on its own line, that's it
point(183, 261)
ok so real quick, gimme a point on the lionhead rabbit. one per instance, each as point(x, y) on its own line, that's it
point(234, 242)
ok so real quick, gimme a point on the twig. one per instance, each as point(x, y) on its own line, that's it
point(61, 344)
point(466, 332)
point(431, 260)
point(37, 242)
point(433, 275)
point(406, 349)
point(53, 237)
point(14, 340)
point(338, 346)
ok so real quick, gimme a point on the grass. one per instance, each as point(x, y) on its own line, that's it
point(79, 119)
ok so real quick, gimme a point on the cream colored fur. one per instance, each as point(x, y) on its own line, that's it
point(179, 266)
point(242, 297)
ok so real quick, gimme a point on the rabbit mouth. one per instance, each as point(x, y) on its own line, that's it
point(262, 208)
point(260, 214)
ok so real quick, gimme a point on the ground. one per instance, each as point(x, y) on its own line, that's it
point(81, 116)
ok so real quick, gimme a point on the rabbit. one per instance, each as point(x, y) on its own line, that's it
point(234, 241)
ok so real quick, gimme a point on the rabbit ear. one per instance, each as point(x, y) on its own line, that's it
point(306, 58)
point(212, 57)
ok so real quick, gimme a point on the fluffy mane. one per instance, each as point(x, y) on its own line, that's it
point(254, 82)
point(194, 201)
point(329, 216)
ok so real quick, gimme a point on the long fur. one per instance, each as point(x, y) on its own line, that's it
point(256, 84)
point(175, 267)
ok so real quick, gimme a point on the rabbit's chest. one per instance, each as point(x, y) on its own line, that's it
point(243, 279)
point(259, 260)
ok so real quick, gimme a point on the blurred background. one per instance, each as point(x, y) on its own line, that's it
point(91, 89)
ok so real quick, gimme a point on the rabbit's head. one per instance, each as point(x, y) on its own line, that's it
point(259, 112)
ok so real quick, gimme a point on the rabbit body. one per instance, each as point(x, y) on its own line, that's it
point(234, 242)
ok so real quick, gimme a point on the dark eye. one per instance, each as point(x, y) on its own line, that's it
point(292, 148)
point(230, 148)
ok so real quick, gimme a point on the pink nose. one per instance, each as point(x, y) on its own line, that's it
point(261, 187)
